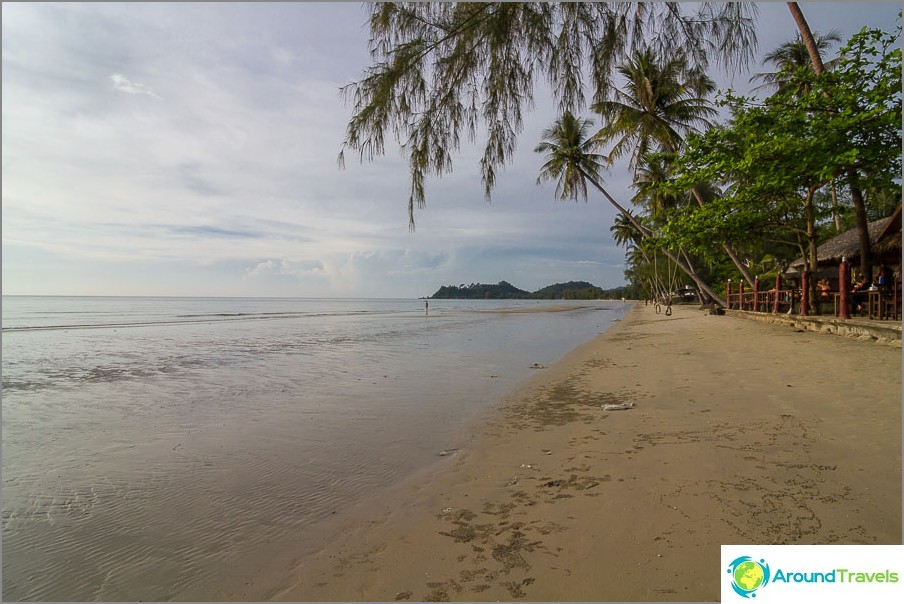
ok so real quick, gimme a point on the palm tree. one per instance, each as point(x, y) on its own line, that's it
point(627, 236)
point(571, 161)
point(790, 56)
point(663, 100)
point(624, 233)
point(652, 172)
point(571, 157)
point(807, 36)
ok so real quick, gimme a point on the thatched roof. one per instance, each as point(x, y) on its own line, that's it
point(889, 240)
point(884, 237)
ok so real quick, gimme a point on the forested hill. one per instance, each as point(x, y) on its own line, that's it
point(573, 290)
point(502, 290)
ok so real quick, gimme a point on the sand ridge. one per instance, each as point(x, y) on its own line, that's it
point(742, 433)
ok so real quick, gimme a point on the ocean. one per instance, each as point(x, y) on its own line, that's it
point(152, 446)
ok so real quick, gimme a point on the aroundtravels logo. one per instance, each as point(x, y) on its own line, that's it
point(811, 573)
point(748, 575)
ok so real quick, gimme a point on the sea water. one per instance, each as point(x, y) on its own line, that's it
point(152, 446)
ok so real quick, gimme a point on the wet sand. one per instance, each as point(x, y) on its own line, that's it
point(556, 308)
point(742, 433)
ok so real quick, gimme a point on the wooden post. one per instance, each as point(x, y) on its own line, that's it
point(728, 293)
point(894, 299)
point(778, 287)
point(756, 293)
point(741, 294)
point(805, 294)
point(844, 290)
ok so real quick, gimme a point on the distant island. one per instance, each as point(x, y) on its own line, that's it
point(573, 290)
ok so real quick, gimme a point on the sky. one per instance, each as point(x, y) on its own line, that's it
point(164, 149)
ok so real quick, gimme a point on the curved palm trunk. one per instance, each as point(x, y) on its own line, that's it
point(807, 36)
point(866, 260)
point(645, 232)
point(728, 249)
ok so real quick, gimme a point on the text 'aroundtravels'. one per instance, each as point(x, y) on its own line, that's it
point(838, 575)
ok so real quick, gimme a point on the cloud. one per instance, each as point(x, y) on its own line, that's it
point(231, 186)
point(283, 267)
point(124, 85)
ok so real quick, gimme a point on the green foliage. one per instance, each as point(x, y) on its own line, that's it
point(771, 158)
point(573, 290)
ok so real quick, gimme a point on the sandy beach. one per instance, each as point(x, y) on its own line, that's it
point(742, 433)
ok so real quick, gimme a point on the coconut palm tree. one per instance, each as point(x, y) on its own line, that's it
point(624, 233)
point(572, 163)
point(807, 36)
point(652, 172)
point(663, 100)
point(790, 56)
point(571, 156)
point(636, 256)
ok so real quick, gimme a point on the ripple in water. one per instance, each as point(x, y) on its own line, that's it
point(176, 461)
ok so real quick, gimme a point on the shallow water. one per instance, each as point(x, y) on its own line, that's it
point(150, 445)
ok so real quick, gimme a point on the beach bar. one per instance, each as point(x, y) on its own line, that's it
point(843, 293)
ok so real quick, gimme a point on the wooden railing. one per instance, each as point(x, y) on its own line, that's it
point(881, 305)
point(770, 300)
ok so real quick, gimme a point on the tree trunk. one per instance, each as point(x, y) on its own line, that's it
point(835, 215)
point(807, 36)
point(866, 252)
point(646, 233)
point(689, 271)
point(728, 249)
point(812, 261)
point(866, 265)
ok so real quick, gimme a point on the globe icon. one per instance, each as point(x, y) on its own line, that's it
point(748, 575)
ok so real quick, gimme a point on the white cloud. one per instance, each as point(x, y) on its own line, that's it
point(284, 267)
point(231, 186)
point(124, 85)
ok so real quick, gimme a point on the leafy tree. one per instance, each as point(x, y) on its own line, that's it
point(772, 158)
point(442, 70)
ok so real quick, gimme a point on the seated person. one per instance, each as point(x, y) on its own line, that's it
point(824, 288)
point(882, 278)
point(860, 284)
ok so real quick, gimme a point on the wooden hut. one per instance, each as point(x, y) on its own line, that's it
point(885, 244)
point(885, 241)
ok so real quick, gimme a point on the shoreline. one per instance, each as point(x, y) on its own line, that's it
point(743, 433)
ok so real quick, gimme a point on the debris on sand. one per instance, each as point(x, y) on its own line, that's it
point(619, 406)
